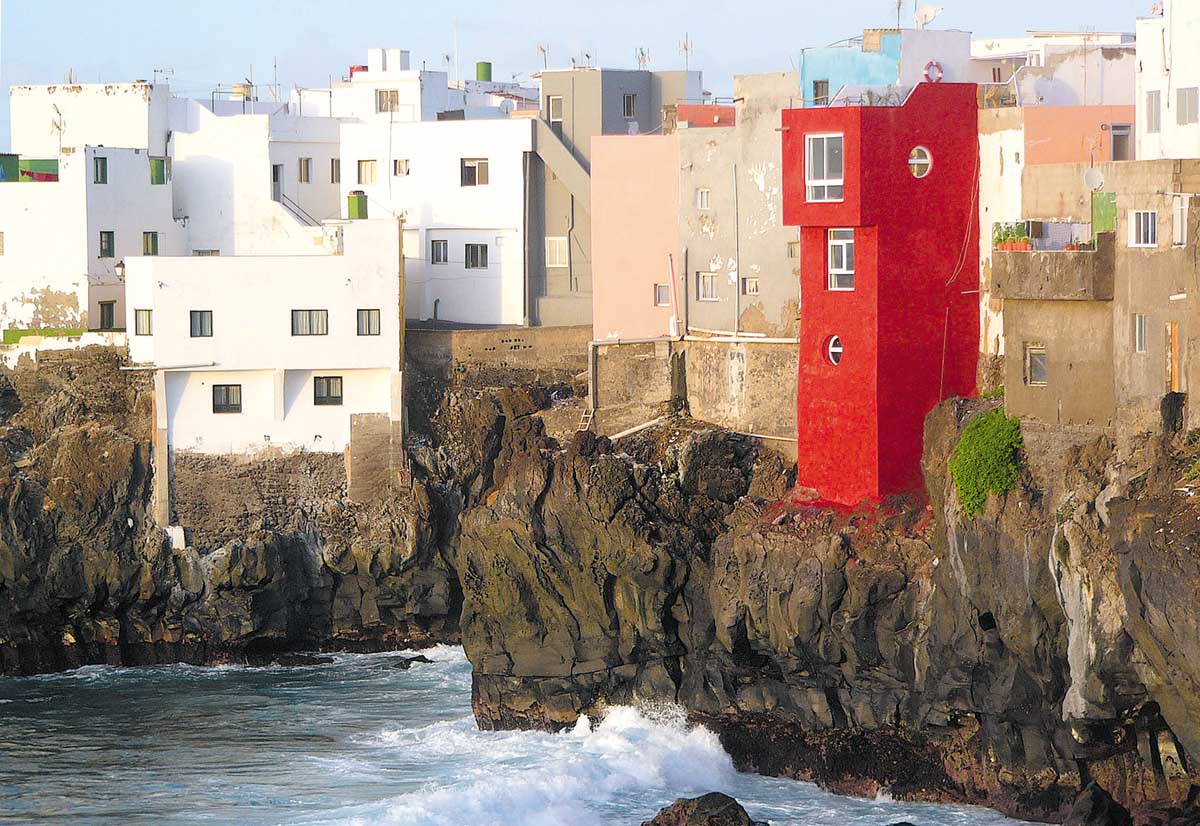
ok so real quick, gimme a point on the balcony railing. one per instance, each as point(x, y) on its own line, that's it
point(1057, 275)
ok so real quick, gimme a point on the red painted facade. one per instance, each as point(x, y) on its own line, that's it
point(910, 327)
point(705, 115)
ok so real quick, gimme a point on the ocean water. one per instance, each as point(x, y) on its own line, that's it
point(361, 742)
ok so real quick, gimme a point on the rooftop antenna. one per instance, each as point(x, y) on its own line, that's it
point(926, 14)
point(544, 51)
point(643, 57)
point(587, 59)
point(899, 11)
point(686, 47)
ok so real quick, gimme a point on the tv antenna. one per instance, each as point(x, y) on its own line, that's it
point(544, 51)
point(686, 47)
point(643, 57)
point(587, 59)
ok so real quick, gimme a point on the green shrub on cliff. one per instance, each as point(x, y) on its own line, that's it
point(987, 459)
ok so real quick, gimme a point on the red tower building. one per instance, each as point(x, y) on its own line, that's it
point(887, 201)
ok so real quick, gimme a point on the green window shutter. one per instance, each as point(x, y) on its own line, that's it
point(158, 171)
point(1104, 213)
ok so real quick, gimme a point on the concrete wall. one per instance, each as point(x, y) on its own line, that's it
point(634, 382)
point(1078, 339)
point(438, 207)
point(1072, 134)
point(1168, 61)
point(46, 119)
point(748, 387)
point(711, 238)
point(635, 198)
point(556, 354)
point(1002, 157)
point(1089, 74)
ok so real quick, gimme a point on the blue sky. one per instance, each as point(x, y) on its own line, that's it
point(218, 40)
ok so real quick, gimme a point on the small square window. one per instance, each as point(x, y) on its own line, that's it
point(306, 170)
point(335, 170)
point(108, 243)
point(160, 171)
point(1036, 367)
point(662, 295)
point(629, 106)
point(703, 199)
point(1139, 333)
point(201, 323)
point(368, 322)
point(706, 286)
point(327, 391)
point(841, 259)
point(227, 398)
point(820, 93)
point(793, 249)
point(477, 256)
point(439, 252)
point(400, 167)
point(387, 100)
point(556, 252)
point(750, 286)
point(474, 172)
point(1188, 109)
point(142, 325)
point(824, 167)
point(367, 173)
point(1179, 220)
point(149, 243)
point(1143, 229)
point(1153, 112)
point(100, 167)
point(310, 322)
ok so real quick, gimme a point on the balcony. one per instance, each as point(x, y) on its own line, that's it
point(1056, 275)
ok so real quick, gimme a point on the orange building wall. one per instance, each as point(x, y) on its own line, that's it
point(635, 226)
point(699, 116)
point(1072, 134)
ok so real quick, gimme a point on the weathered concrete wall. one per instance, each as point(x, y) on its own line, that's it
point(1077, 335)
point(546, 354)
point(712, 237)
point(1084, 275)
point(748, 387)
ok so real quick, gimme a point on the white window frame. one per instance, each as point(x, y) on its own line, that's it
point(439, 251)
point(557, 252)
point(793, 250)
point(100, 170)
point(920, 162)
point(836, 241)
point(835, 350)
point(1143, 229)
point(750, 285)
point(704, 199)
point(1139, 333)
point(475, 260)
point(1187, 110)
point(481, 173)
point(335, 170)
point(401, 167)
point(703, 294)
point(629, 105)
point(551, 100)
point(1179, 220)
point(368, 172)
point(1030, 350)
point(305, 171)
point(1154, 112)
point(387, 100)
point(826, 182)
point(662, 295)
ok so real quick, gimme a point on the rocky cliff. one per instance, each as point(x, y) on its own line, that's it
point(1008, 659)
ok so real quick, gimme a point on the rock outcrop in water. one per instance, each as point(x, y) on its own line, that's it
point(714, 809)
point(1009, 660)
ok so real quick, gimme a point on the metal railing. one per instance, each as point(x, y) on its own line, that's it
point(298, 211)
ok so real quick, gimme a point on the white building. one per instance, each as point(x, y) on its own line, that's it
point(63, 238)
point(462, 187)
point(271, 352)
point(257, 183)
point(1058, 68)
point(49, 118)
point(1168, 82)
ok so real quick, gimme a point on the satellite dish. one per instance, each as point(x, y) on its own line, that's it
point(926, 14)
point(1093, 179)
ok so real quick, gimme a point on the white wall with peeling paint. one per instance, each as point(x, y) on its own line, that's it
point(46, 119)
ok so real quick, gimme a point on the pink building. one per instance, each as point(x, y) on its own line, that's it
point(635, 236)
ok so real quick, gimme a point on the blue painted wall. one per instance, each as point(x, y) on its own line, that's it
point(850, 66)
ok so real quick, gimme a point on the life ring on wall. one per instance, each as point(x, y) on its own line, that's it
point(934, 72)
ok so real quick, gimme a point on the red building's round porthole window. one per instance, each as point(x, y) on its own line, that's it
point(833, 350)
point(920, 162)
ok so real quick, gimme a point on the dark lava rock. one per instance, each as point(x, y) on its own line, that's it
point(407, 662)
point(1095, 807)
point(713, 809)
